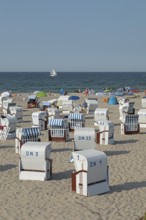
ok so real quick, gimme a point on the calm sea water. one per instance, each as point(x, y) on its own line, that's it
point(31, 81)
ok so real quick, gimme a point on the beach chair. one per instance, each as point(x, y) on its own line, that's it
point(4, 99)
point(67, 106)
point(4, 131)
point(100, 114)
point(76, 120)
point(44, 105)
point(58, 130)
point(61, 99)
point(142, 118)
point(17, 112)
point(91, 176)
point(24, 135)
point(35, 162)
point(130, 125)
point(9, 123)
point(105, 135)
point(32, 102)
point(91, 106)
point(84, 138)
point(53, 113)
point(40, 120)
point(6, 106)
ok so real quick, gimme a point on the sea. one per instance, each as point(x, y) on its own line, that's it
point(70, 81)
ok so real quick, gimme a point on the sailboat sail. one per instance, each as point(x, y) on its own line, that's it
point(53, 73)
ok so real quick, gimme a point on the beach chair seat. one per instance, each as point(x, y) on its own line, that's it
point(58, 130)
point(24, 135)
point(130, 125)
point(40, 120)
point(76, 120)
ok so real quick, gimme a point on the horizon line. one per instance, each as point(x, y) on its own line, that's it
point(74, 71)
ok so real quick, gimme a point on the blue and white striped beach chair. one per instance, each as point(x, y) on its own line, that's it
point(24, 135)
point(130, 125)
point(76, 120)
point(58, 129)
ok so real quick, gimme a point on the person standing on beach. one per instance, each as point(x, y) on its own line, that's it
point(86, 92)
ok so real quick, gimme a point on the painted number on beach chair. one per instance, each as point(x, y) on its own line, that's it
point(31, 153)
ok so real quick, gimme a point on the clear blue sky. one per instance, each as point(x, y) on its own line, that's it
point(73, 35)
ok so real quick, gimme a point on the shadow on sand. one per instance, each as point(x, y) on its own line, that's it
point(127, 186)
point(7, 167)
point(114, 153)
point(62, 175)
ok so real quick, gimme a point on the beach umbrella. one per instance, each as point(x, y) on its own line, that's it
point(74, 97)
point(41, 94)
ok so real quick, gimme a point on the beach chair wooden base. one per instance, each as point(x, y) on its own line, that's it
point(132, 132)
point(57, 139)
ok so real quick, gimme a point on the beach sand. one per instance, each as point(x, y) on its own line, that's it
point(54, 200)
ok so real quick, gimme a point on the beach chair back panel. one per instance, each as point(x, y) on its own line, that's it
point(101, 114)
point(35, 162)
point(84, 138)
point(131, 124)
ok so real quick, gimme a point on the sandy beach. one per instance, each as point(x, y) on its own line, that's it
point(53, 199)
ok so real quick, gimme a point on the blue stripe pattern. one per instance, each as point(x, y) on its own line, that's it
point(27, 132)
point(56, 122)
point(76, 116)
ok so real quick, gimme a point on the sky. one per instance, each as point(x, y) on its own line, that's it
point(72, 35)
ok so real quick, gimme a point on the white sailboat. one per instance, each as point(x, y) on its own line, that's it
point(53, 73)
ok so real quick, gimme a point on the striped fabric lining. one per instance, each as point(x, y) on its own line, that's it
point(76, 116)
point(27, 132)
point(131, 122)
point(56, 122)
